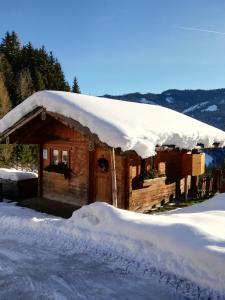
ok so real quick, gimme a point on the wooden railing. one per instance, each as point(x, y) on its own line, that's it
point(206, 186)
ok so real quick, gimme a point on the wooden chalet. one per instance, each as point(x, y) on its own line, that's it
point(77, 167)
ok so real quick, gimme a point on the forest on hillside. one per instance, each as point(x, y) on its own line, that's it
point(24, 70)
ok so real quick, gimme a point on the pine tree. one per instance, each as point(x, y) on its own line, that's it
point(5, 104)
point(6, 155)
point(24, 70)
point(38, 82)
point(7, 72)
point(11, 47)
point(76, 88)
point(28, 69)
point(24, 85)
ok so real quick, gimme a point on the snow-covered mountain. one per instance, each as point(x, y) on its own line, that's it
point(205, 105)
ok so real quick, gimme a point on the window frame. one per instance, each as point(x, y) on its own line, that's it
point(68, 157)
point(60, 153)
point(52, 156)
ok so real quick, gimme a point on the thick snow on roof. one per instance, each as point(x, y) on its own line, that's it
point(16, 175)
point(130, 126)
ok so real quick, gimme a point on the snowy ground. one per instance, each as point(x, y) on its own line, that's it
point(38, 273)
point(106, 253)
point(36, 264)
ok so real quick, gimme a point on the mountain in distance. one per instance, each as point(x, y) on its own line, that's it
point(205, 105)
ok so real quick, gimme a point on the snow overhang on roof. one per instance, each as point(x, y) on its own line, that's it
point(128, 125)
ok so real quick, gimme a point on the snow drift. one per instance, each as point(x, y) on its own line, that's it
point(184, 248)
point(189, 242)
point(130, 126)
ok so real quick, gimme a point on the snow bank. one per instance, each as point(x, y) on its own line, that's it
point(16, 175)
point(213, 107)
point(184, 248)
point(130, 126)
point(188, 242)
point(195, 107)
point(169, 100)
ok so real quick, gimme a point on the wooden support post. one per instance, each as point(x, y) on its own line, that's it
point(128, 177)
point(43, 115)
point(186, 188)
point(114, 182)
point(92, 180)
point(40, 169)
point(194, 186)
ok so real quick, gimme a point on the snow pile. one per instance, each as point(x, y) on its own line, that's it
point(144, 100)
point(130, 126)
point(195, 107)
point(213, 107)
point(41, 258)
point(16, 175)
point(169, 100)
point(188, 242)
point(183, 248)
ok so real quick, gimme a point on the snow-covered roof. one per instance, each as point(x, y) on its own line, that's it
point(128, 125)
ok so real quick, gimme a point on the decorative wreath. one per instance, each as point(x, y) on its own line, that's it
point(103, 165)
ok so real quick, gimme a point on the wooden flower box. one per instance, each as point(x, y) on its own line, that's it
point(154, 181)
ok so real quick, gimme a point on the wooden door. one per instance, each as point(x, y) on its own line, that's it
point(102, 176)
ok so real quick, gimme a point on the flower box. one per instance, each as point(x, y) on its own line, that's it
point(149, 182)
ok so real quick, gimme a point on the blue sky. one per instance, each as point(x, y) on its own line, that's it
point(121, 46)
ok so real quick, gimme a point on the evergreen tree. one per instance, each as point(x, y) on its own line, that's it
point(6, 155)
point(11, 47)
point(25, 156)
point(24, 70)
point(7, 72)
point(38, 82)
point(24, 85)
point(27, 69)
point(5, 104)
point(76, 88)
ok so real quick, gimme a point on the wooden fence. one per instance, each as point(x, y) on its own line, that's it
point(209, 185)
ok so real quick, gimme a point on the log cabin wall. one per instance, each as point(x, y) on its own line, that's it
point(80, 188)
point(173, 160)
point(55, 186)
point(87, 183)
point(160, 190)
point(157, 193)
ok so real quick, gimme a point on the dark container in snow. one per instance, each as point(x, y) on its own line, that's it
point(18, 189)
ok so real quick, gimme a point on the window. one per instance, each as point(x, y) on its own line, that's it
point(55, 157)
point(65, 157)
point(45, 153)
